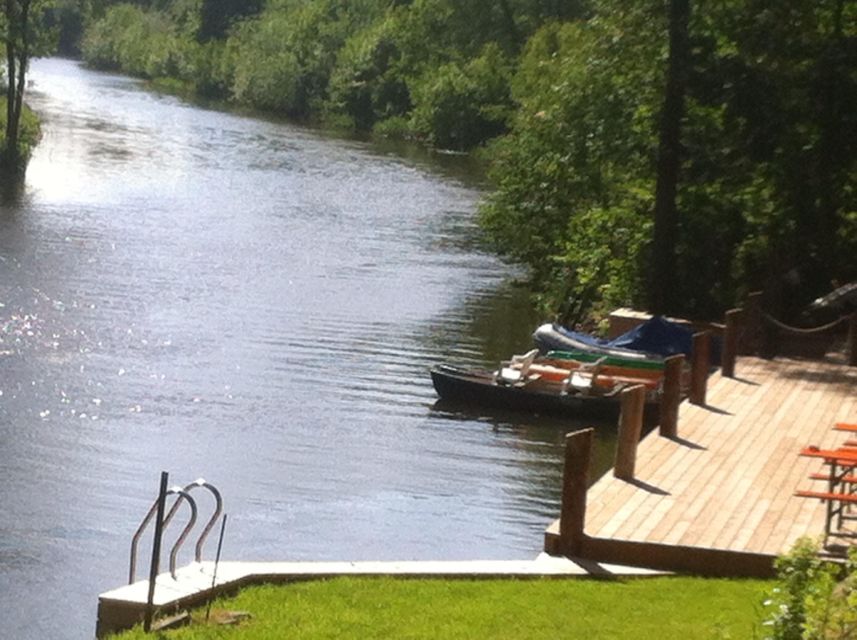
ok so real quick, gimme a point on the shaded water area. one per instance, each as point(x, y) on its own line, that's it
point(255, 303)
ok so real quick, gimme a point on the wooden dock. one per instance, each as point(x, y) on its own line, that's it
point(719, 498)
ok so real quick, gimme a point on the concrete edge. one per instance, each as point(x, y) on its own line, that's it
point(121, 608)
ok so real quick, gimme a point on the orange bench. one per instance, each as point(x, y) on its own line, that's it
point(836, 504)
point(826, 476)
point(845, 426)
point(850, 498)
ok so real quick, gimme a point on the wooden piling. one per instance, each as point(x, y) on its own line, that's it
point(730, 343)
point(852, 341)
point(699, 365)
point(575, 481)
point(671, 395)
point(630, 428)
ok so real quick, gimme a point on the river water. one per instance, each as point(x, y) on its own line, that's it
point(222, 296)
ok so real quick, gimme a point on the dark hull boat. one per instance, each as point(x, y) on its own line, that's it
point(482, 388)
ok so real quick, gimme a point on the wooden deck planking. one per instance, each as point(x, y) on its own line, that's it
point(735, 492)
point(784, 443)
point(781, 446)
point(786, 506)
point(727, 481)
point(724, 484)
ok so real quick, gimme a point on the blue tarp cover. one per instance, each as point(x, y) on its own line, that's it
point(657, 335)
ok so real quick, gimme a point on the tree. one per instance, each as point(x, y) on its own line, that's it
point(665, 241)
point(23, 35)
point(217, 16)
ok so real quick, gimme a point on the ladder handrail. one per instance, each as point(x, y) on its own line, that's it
point(180, 540)
point(183, 494)
point(135, 540)
point(218, 509)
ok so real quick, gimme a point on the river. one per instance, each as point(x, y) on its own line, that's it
point(255, 303)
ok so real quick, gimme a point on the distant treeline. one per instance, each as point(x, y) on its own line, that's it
point(566, 99)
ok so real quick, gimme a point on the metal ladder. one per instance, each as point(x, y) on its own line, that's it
point(183, 494)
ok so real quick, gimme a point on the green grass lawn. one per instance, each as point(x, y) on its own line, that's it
point(359, 608)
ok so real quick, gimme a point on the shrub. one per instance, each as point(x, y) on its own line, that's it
point(814, 599)
point(458, 106)
point(367, 84)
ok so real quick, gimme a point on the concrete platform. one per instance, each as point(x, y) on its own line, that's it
point(124, 607)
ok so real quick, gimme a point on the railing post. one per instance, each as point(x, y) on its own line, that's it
point(156, 553)
point(730, 343)
point(852, 340)
point(700, 361)
point(575, 482)
point(630, 428)
point(671, 395)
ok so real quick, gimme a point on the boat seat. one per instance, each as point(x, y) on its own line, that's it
point(517, 369)
point(583, 378)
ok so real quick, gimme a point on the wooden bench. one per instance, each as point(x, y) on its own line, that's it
point(845, 426)
point(849, 498)
point(826, 476)
point(836, 505)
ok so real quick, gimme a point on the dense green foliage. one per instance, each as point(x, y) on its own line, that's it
point(438, 70)
point(813, 599)
point(667, 608)
point(572, 94)
point(766, 194)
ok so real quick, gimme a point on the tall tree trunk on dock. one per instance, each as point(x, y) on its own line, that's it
point(663, 265)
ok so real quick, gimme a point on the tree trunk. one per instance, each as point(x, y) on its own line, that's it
point(663, 272)
point(11, 74)
point(511, 27)
point(830, 156)
point(23, 61)
point(17, 59)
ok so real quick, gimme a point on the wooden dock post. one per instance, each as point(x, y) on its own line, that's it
point(671, 395)
point(575, 482)
point(630, 428)
point(852, 341)
point(699, 364)
point(730, 343)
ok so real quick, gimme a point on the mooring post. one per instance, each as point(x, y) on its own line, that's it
point(671, 395)
point(575, 482)
point(730, 343)
point(630, 428)
point(852, 340)
point(700, 361)
point(154, 568)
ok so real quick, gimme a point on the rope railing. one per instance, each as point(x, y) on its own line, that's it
point(798, 331)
